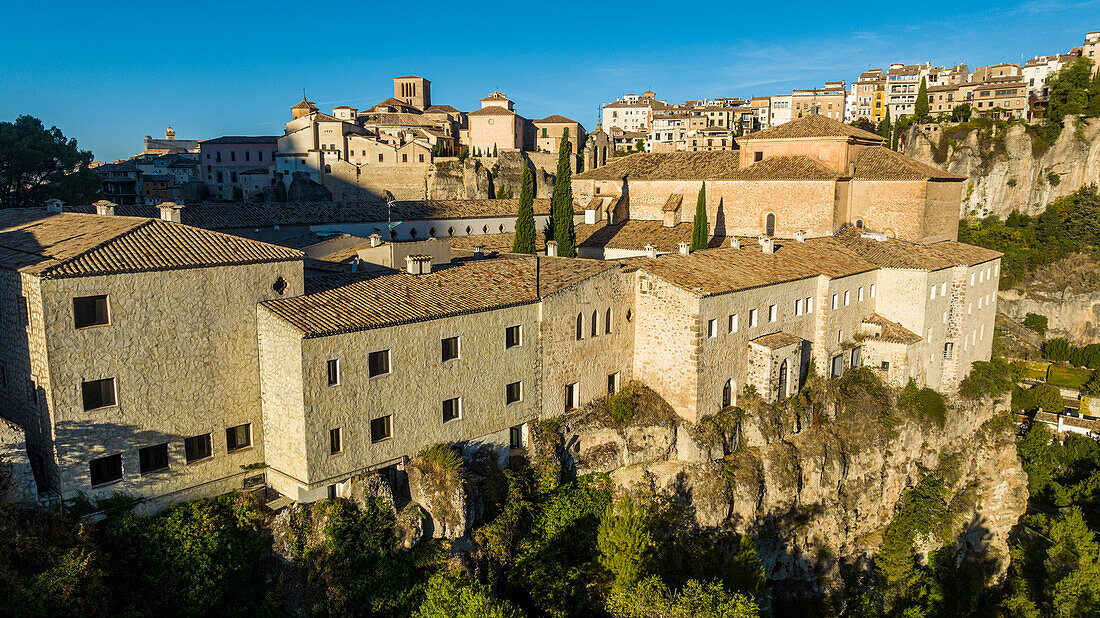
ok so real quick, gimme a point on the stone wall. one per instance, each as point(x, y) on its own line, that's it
point(667, 341)
point(15, 467)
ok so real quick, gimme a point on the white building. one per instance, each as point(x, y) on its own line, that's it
point(780, 110)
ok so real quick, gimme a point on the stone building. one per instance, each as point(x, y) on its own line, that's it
point(233, 166)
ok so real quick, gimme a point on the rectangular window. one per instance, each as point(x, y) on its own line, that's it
point(733, 323)
point(809, 304)
point(380, 429)
point(335, 441)
point(773, 313)
point(712, 328)
point(24, 313)
point(98, 393)
point(379, 157)
point(847, 296)
point(105, 469)
point(572, 395)
point(513, 336)
point(612, 383)
point(943, 289)
point(885, 365)
point(238, 437)
point(153, 458)
point(332, 493)
point(90, 311)
point(859, 294)
point(932, 294)
point(197, 448)
point(333, 372)
point(836, 301)
point(752, 317)
point(404, 158)
point(379, 363)
point(948, 349)
point(450, 348)
point(515, 437)
point(452, 409)
point(798, 307)
point(513, 393)
point(872, 290)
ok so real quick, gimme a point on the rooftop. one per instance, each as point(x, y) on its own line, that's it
point(777, 340)
point(892, 332)
point(813, 126)
point(894, 253)
point(556, 118)
point(242, 139)
point(668, 166)
point(881, 163)
point(492, 110)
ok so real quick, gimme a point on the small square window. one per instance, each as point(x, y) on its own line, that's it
point(153, 458)
point(197, 448)
point(513, 336)
point(238, 437)
point(452, 409)
point(712, 328)
point(515, 437)
point(105, 469)
point(90, 311)
point(380, 429)
point(513, 393)
point(450, 348)
point(333, 372)
point(335, 443)
point(98, 393)
point(885, 365)
point(379, 363)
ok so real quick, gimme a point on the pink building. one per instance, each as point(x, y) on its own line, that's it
point(228, 162)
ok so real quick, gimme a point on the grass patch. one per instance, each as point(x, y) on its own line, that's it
point(441, 457)
point(1068, 377)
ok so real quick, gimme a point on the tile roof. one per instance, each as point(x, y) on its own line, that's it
point(902, 254)
point(880, 163)
point(635, 234)
point(456, 289)
point(668, 166)
point(556, 118)
point(65, 245)
point(720, 271)
point(788, 168)
point(501, 243)
point(492, 110)
point(441, 108)
point(391, 102)
point(241, 139)
point(810, 126)
point(672, 204)
point(892, 332)
point(777, 340)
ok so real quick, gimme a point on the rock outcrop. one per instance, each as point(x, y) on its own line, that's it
point(1008, 169)
point(1075, 316)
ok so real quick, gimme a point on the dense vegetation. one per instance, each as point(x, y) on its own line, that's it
point(37, 163)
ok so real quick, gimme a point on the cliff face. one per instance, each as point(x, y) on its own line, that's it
point(1075, 316)
point(1008, 168)
point(816, 495)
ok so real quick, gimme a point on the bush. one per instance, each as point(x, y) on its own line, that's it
point(923, 403)
point(1054, 179)
point(1036, 322)
point(454, 596)
point(623, 540)
point(991, 378)
point(441, 457)
point(622, 405)
point(1048, 397)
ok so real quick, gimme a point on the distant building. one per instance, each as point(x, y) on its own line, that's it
point(496, 125)
point(869, 95)
point(169, 144)
point(549, 132)
point(225, 161)
point(827, 101)
point(630, 113)
point(122, 183)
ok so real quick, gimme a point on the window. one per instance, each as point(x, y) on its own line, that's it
point(380, 429)
point(379, 157)
point(404, 158)
point(847, 297)
point(607, 322)
point(421, 155)
point(98, 393)
point(712, 328)
point(835, 301)
point(450, 348)
point(332, 493)
point(773, 313)
point(513, 336)
point(513, 393)
point(948, 349)
point(752, 318)
point(856, 356)
point(943, 289)
point(612, 383)
point(885, 365)
point(859, 294)
point(837, 365)
point(232, 155)
point(809, 304)
point(452, 409)
point(733, 323)
point(595, 329)
point(247, 156)
point(333, 372)
point(727, 394)
point(580, 327)
point(197, 448)
point(153, 458)
point(798, 307)
point(872, 290)
point(379, 363)
point(90, 311)
point(757, 156)
point(238, 437)
point(932, 294)
point(515, 437)
point(572, 396)
point(769, 225)
point(105, 469)
point(335, 441)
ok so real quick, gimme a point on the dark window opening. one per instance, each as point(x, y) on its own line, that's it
point(238, 437)
point(197, 448)
point(98, 393)
point(513, 393)
point(450, 348)
point(727, 394)
point(90, 311)
point(379, 363)
point(452, 409)
point(512, 337)
point(335, 444)
point(153, 458)
point(515, 437)
point(380, 429)
point(770, 225)
point(580, 327)
point(105, 469)
point(333, 372)
point(279, 286)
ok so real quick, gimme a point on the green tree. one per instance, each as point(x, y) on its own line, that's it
point(1068, 90)
point(453, 596)
point(524, 241)
point(32, 158)
point(561, 204)
point(921, 108)
point(1048, 397)
point(746, 571)
point(1036, 322)
point(886, 127)
point(699, 234)
point(1093, 109)
point(1072, 566)
point(623, 541)
point(652, 599)
point(962, 113)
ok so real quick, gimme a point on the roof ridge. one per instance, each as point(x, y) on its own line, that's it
point(59, 263)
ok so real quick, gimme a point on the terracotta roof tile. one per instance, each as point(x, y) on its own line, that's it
point(492, 110)
point(556, 118)
point(636, 234)
point(894, 253)
point(777, 340)
point(788, 168)
point(672, 204)
point(892, 332)
point(879, 163)
point(810, 126)
point(668, 166)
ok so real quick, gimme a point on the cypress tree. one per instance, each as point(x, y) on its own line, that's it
point(699, 226)
point(561, 205)
point(884, 127)
point(921, 107)
point(1094, 97)
point(524, 241)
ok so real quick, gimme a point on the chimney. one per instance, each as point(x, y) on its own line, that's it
point(418, 264)
point(684, 248)
point(767, 245)
point(375, 240)
point(735, 242)
point(800, 236)
point(170, 211)
point(479, 252)
point(651, 252)
point(53, 205)
point(552, 248)
point(103, 207)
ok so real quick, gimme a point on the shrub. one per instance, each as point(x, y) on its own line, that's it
point(1048, 397)
point(1036, 322)
point(923, 403)
point(623, 540)
point(622, 405)
point(991, 378)
point(1011, 182)
point(1054, 179)
point(451, 595)
point(442, 457)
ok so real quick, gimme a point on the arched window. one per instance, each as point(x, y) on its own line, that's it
point(468, 230)
point(580, 326)
point(782, 390)
point(595, 330)
point(769, 224)
point(328, 169)
point(431, 232)
point(859, 223)
point(727, 394)
point(607, 322)
point(485, 229)
point(450, 231)
point(501, 228)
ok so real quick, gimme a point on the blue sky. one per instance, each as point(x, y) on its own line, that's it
point(109, 73)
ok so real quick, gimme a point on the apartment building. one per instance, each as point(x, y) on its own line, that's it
point(1036, 71)
point(630, 113)
point(869, 95)
point(235, 166)
point(902, 86)
point(828, 101)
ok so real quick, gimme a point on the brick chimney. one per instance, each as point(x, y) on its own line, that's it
point(651, 252)
point(103, 207)
point(418, 264)
point(170, 211)
point(54, 205)
point(552, 248)
point(684, 248)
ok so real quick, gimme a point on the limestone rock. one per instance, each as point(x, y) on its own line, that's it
point(444, 495)
point(372, 486)
point(409, 528)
